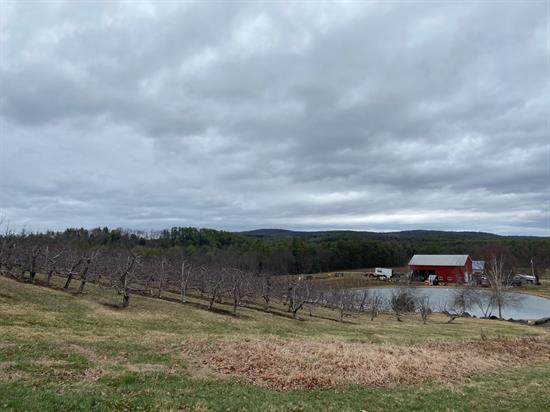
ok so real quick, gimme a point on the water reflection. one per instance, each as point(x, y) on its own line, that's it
point(515, 305)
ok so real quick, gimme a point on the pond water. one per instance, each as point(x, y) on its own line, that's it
point(523, 306)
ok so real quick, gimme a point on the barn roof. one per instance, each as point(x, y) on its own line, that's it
point(438, 260)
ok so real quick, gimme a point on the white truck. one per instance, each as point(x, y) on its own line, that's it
point(383, 273)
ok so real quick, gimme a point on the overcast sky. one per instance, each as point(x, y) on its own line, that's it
point(360, 115)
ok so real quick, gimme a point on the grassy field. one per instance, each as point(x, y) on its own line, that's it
point(64, 351)
point(542, 290)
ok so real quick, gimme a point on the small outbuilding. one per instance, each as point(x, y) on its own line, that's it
point(447, 268)
point(478, 267)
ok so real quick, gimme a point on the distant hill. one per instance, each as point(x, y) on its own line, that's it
point(352, 234)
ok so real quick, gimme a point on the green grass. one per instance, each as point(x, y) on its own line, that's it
point(64, 351)
point(542, 290)
point(524, 389)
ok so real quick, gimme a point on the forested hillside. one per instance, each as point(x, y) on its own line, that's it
point(289, 252)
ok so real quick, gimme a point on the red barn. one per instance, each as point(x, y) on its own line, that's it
point(447, 268)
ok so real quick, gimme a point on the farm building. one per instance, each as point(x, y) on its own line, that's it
point(478, 267)
point(447, 268)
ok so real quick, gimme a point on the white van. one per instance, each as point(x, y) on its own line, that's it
point(383, 273)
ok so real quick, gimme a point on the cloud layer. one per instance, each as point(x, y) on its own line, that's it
point(371, 116)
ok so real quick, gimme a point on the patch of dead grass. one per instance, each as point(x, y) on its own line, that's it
point(9, 372)
point(292, 364)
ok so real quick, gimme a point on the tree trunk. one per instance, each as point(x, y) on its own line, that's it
point(290, 302)
point(82, 284)
point(341, 317)
point(161, 281)
point(68, 281)
point(451, 318)
point(296, 309)
point(183, 284)
point(147, 288)
point(32, 276)
point(125, 299)
point(183, 294)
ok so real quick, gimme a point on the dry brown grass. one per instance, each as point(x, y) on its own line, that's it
point(8, 371)
point(291, 364)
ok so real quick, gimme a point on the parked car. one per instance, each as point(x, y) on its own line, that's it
point(520, 280)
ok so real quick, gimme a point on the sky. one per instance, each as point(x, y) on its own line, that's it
point(375, 116)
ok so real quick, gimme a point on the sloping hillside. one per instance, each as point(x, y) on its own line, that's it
point(62, 350)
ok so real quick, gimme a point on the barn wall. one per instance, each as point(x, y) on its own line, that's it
point(448, 274)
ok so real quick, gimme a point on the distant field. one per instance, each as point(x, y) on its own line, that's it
point(353, 278)
point(64, 351)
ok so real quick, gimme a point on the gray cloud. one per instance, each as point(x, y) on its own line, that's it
point(356, 115)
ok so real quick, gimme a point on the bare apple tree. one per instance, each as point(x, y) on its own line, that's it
point(423, 307)
point(499, 282)
point(343, 300)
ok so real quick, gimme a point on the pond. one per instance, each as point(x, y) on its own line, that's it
point(522, 306)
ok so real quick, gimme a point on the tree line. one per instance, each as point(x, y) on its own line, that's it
point(316, 252)
point(239, 273)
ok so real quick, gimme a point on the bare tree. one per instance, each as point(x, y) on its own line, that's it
point(72, 270)
point(534, 272)
point(363, 302)
point(376, 302)
point(499, 282)
point(344, 300)
point(213, 284)
point(7, 247)
point(33, 262)
point(238, 280)
point(483, 300)
point(402, 300)
point(267, 290)
point(460, 302)
point(125, 278)
point(300, 291)
point(162, 276)
point(463, 299)
point(186, 273)
point(50, 263)
point(423, 307)
point(88, 261)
